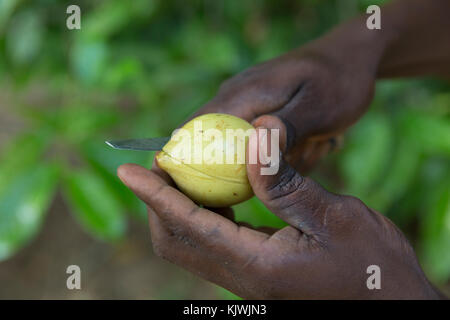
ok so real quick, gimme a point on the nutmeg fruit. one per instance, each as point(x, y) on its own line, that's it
point(206, 159)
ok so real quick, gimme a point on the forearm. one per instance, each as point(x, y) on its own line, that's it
point(414, 40)
point(417, 38)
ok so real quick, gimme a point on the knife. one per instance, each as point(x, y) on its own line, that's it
point(148, 144)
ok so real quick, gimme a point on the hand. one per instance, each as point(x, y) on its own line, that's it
point(313, 94)
point(323, 253)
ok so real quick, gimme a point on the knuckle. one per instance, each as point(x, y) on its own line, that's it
point(355, 215)
point(352, 203)
point(160, 249)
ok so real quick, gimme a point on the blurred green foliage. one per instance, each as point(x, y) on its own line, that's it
point(139, 68)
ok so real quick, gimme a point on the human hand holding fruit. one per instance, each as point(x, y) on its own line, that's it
point(322, 254)
point(311, 94)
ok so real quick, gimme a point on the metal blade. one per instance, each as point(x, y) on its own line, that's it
point(150, 144)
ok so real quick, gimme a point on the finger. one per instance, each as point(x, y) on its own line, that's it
point(242, 106)
point(228, 104)
point(180, 250)
point(199, 240)
point(298, 200)
point(205, 229)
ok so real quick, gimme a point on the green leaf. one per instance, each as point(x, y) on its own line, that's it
point(106, 160)
point(397, 178)
point(89, 60)
point(23, 206)
point(200, 45)
point(24, 37)
point(20, 154)
point(366, 154)
point(6, 10)
point(73, 122)
point(93, 205)
point(78, 122)
point(123, 73)
point(430, 132)
point(435, 249)
point(113, 16)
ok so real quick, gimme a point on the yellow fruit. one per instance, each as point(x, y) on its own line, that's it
point(210, 182)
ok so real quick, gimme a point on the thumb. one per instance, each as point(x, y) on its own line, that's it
point(274, 122)
point(298, 200)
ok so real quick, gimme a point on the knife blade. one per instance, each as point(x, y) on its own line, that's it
point(147, 144)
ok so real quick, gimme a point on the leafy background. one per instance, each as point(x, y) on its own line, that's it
point(138, 69)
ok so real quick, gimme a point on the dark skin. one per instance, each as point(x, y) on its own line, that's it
point(312, 94)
